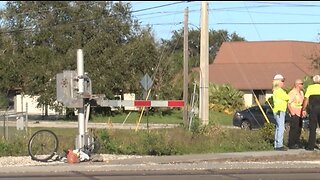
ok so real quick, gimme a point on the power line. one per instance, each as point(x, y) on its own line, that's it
point(273, 13)
point(154, 7)
point(164, 24)
point(291, 4)
point(269, 23)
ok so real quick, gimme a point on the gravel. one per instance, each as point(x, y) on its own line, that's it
point(16, 161)
point(19, 161)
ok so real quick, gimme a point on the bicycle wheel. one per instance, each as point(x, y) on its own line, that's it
point(43, 145)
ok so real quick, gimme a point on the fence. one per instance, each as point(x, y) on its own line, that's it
point(12, 119)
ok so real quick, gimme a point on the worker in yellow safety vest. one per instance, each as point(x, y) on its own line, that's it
point(280, 101)
point(312, 100)
point(296, 96)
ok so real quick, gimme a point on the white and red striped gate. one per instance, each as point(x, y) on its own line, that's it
point(141, 103)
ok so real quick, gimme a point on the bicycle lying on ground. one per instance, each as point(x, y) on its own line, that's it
point(43, 146)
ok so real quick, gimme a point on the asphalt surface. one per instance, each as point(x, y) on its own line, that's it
point(215, 161)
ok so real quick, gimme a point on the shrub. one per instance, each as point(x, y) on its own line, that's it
point(267, 132)
point(225, 98)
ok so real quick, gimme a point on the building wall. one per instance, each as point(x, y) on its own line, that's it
point(29, 103)
point(250, 101)
point(248, 98)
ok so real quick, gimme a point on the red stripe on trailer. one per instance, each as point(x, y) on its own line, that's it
point(142, 103)
point(175, 103)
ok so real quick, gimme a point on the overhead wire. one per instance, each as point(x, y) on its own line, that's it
point(162, 24)
point(160, 6)
point(253, 93)
point(244, 77)
point(162, 55)
point(168, 13)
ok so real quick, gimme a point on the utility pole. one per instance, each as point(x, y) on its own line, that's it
point(185, 67)
point(81, 139)
point(204, 66)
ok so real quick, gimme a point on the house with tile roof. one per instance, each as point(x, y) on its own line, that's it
point(251, 66)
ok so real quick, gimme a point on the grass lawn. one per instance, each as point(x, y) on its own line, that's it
point(166, 117)
point(213, 138)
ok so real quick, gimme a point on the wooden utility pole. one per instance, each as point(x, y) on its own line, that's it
point(185, 67)
point(204, 66)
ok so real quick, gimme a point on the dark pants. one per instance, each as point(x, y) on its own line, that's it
point(314, 121)
point(295, 131)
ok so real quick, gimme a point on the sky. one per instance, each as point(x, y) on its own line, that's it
point(253, 20)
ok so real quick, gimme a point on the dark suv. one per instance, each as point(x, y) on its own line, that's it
point(252, 118)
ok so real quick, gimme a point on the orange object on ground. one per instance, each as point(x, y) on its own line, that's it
point(72, 157)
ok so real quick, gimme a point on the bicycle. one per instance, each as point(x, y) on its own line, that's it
point(43, 146)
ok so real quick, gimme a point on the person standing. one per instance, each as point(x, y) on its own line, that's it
point(296, 97)
point(280, 101)
point(312, 100)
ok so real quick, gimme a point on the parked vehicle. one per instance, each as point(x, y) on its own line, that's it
point(252, 118)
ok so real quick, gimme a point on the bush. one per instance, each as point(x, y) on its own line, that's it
point(105, 142)
point(156, 143)
point(225, 98)
point(267, 132)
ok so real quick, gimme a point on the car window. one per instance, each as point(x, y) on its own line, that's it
point(255, 109)
point(269, 110)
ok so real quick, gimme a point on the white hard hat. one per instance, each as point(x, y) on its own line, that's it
point(278, 77)
point(316, 78)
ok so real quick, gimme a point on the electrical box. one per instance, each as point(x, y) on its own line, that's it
point(67, 89)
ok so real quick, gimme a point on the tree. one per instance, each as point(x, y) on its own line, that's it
point(216, 38)
point(40, 39)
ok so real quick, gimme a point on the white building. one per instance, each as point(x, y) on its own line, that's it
point(28, 104)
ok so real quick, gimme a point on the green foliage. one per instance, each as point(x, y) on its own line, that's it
point(315, 60)
point(143, 142)
point(156, 143)
point(15, 146)
point(307, 80)
point(195, 127)
point(207, 139)
point(216, 38)
point(105, 142)
point(267, 132)
point(41, 40)
point(3, 101)
point(225, 98)
point(220, 118)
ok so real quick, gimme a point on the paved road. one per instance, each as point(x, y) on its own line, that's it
point(168, 175)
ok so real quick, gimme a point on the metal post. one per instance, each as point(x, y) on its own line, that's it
point(4, 124)
point(26, 119)
point(6, 134)
point(87, 113)
point(185, 68)
point(81, 116)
